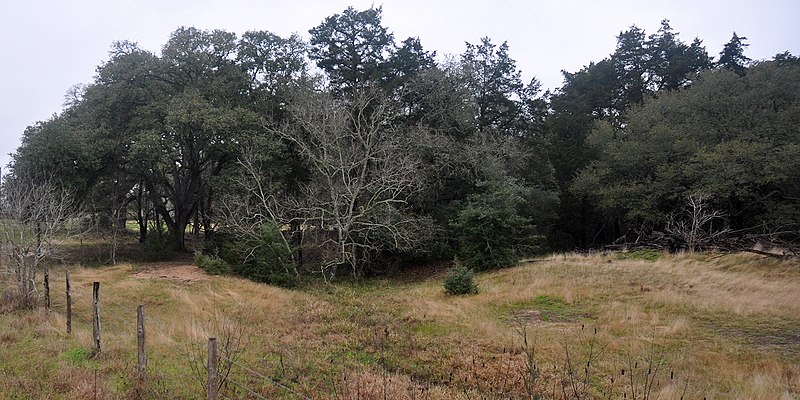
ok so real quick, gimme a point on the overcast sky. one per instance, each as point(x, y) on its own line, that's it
point(48, 46)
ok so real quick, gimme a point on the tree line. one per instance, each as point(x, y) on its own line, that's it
point(358, 153)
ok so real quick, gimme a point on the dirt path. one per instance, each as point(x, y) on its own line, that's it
point(179, 271)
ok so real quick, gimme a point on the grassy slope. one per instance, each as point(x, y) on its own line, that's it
point(729, 326)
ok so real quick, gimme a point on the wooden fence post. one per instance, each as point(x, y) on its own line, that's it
point(96, 319)
point(69, 307)
point(47, 289)
point(211, 388)
point(142, 371)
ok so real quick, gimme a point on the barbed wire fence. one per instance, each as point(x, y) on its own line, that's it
point(263, 378)
point(216, 382)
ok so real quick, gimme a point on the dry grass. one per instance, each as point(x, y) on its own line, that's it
point(720, 326)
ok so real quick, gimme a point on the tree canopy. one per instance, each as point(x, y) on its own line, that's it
point(384, 155)
point(743, 157)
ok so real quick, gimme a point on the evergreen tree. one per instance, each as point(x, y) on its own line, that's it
point(672, 62)
point(353, 48)
point(732, 55)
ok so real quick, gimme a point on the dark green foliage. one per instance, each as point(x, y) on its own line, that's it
point(159, 248)
point(733, 138)
point(460, 280)
point(357, 51)
point(265, 259)
point(161, 126)
point(492, 78)
point(212, 264)
point(61, 149)
point(352, 47)
point(641, 67)
point(490, 228)
point(407, 61)
point(435, 99)
point(674, 63)
point(786, 59)
point(630, 62)
point(732, 55)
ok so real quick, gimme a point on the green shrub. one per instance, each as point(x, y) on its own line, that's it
point(460, 280)
point(489, 227)
point(213, 265)
point(265, 259)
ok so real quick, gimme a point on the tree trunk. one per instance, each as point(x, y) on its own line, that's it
point(196, 225)
point(142, 231)
point(141, 218)
point(205, 215)
point(179, 230)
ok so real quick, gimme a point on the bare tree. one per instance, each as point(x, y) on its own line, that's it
point(35, 220)
point(354, 203)
point(362, 176)
point(694, 224)
point(258, 199)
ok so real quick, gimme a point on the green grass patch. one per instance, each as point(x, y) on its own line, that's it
point(77, 355)
point(640, 255)
point(544, 308)
point(360, 357)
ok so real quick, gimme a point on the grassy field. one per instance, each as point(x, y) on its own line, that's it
point(705, 326)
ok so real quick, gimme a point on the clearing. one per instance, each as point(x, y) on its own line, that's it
point(704, 325)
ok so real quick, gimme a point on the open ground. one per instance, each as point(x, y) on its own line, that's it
point(715, 326)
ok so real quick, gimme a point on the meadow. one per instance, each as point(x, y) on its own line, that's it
point(633, 325)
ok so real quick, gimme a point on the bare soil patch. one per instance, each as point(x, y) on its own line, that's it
point(781, 337)
point(178, 271)
point(529, 317)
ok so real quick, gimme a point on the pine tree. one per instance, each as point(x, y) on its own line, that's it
point(732, 55)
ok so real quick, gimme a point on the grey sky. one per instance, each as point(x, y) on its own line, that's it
point(47, 46)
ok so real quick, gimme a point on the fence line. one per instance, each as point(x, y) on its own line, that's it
point(141, 384)
point(250, 391)
point(268, 379)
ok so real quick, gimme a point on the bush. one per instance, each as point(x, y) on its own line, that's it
point(213, 265)
point(460, 280)
point(265, 259)
point(489, 227)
